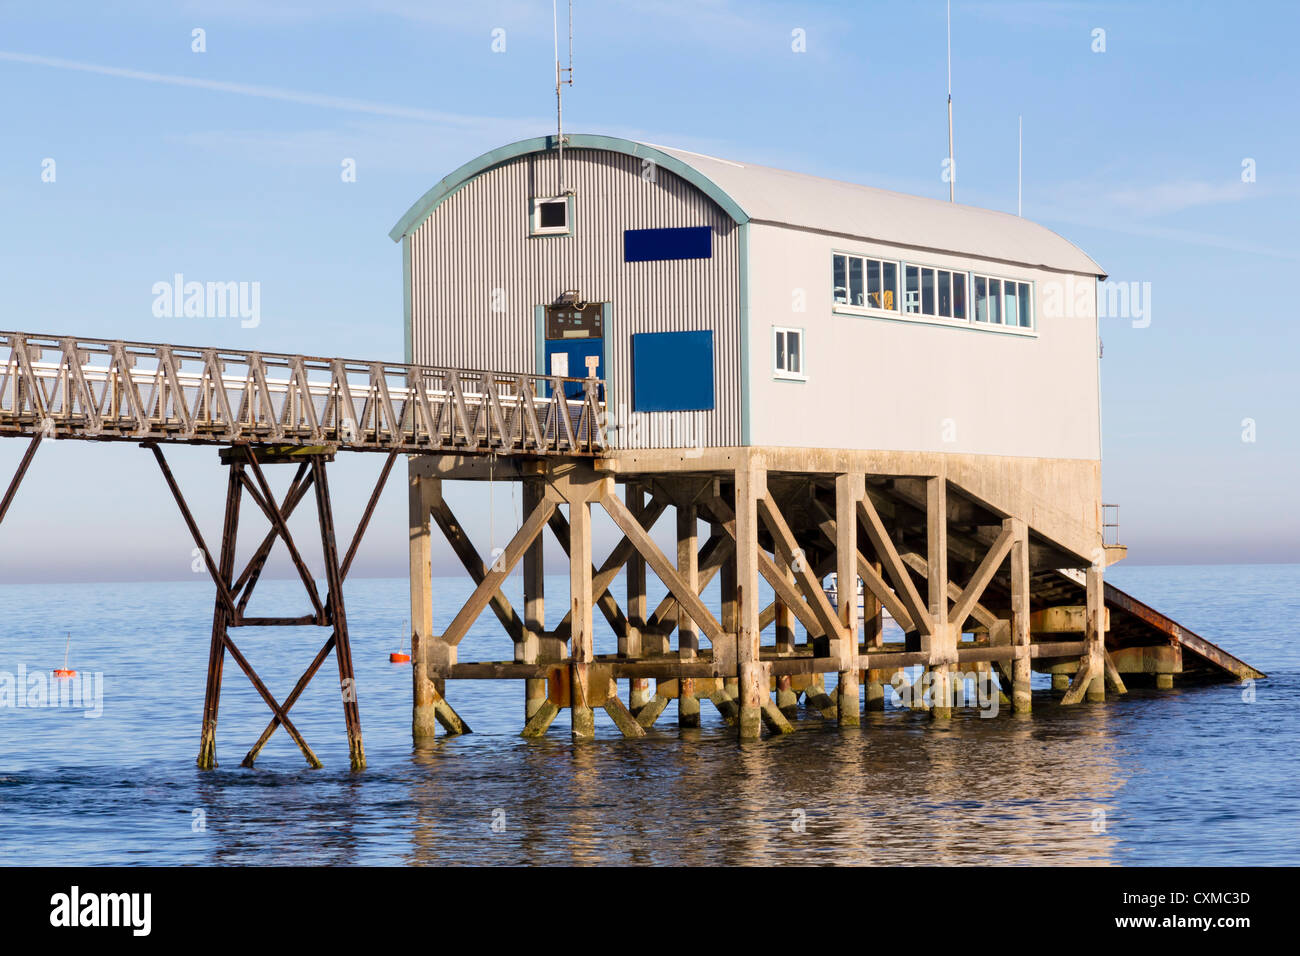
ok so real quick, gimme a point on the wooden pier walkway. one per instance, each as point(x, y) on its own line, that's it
point(972, 582)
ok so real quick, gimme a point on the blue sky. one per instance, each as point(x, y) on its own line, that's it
point(226, 164)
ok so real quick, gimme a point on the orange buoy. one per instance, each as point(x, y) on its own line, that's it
point(397, 657)
point(65, 672)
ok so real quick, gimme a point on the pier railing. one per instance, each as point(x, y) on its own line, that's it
point(99, 389)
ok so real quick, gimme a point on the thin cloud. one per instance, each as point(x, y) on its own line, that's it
point(324, 101)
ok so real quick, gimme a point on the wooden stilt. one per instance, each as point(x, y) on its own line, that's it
point(943, 640)
point(1021, 693)
point(17, 479)
point(338, 616)
point(421, 494)
point(207, 759)
point(688, 705)
point(1095, 634)
point(786, 699)
point(529, 650)
point(541, 720)
point(582, 618)
point(752, 677)
point(651, 711)
point(688, 634)
point(849, 490)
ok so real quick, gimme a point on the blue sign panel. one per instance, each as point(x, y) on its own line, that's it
point(672, 371)
point(657, 245)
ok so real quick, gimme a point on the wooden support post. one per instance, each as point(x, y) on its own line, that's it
point(1095, 634)
point(873, 636)
point(537, 724)
point(582, 618)
point(875, 690)
point(688, 634)
point(751, 484)
point(1116, 683)
point(849, 490)
point(942, 642)
point(786, 699)
point(337, 615)
point(651, 711)
point(1021, 695)
point(784, 618)
point(688, 705)
point(207, 759)
point(728, 614)
point(1090, 678)
point(631, 642)
point(817, 698)
point(17, 479)
point(529, 651)
point(421, 493)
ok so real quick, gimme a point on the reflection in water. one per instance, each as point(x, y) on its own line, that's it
point(900, 790)
point(1191, 776)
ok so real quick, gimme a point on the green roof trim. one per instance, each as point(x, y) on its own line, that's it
point(541, 144)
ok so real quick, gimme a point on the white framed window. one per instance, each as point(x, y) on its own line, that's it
point(551, 216)
point(930, 291)
point(864, 283)
point(1005, 302)
point(788, 354)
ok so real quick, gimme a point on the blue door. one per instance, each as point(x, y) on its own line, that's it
point(573, 332)
point(568, 357)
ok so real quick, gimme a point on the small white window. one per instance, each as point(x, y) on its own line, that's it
point(551, 217)
point(787, 355)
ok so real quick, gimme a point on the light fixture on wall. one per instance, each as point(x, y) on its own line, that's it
point(571, 298)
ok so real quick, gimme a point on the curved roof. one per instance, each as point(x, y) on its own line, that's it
point(763, 194)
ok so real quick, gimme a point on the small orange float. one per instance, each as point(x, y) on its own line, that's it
point(65, 672)
point(397, 657)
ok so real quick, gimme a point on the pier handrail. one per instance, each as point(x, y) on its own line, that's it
point(115, 390)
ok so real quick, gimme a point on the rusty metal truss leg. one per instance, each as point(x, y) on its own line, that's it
point(18, 475)
point(234, 592)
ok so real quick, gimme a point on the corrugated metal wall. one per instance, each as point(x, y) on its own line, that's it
point(476, 276)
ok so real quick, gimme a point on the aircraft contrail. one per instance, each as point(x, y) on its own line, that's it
point(349, 104)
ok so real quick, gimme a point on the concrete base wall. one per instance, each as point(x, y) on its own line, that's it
point(1060, 498)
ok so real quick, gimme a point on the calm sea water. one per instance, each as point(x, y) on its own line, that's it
point(1193, 776)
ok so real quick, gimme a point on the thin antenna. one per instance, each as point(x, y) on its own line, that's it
point(952, 158)
point(1020, 170)
point(561, 80)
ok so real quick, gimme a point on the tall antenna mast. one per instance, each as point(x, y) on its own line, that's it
point(561, 80)
point(952, 159)
point(1020, 170)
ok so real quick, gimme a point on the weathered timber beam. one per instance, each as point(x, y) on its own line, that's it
point(604, 577)
point(667, 573)
point(464, 549)
point(716, 552)
point(491, 582)
point(870, 521)
point(978, 611)
point(18, 475)
point(785, 591)
point(794, 558)
point(966, 601)
point(871, 579)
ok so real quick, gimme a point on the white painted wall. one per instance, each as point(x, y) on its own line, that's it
point(902, 384)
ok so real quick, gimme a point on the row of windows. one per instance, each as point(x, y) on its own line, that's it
point(866, 283)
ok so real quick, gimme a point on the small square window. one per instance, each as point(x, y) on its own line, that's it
point(787, 355)
point(551, 217)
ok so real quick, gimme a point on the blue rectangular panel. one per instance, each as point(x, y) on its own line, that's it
point(672, 371)
point(656, 245)
point(574, 363)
